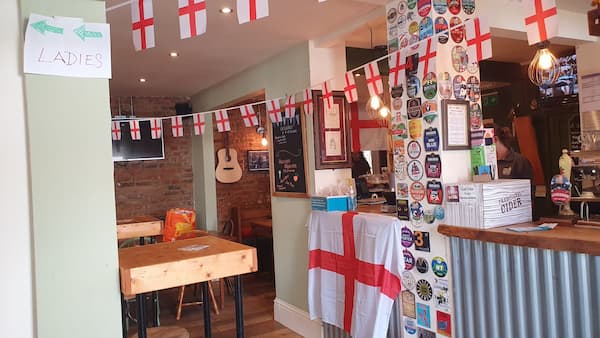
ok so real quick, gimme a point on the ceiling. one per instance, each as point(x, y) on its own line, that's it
point(228, 48)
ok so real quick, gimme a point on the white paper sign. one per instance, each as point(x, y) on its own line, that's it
point(67, 47)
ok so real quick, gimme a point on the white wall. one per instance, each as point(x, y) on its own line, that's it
point(16, 305)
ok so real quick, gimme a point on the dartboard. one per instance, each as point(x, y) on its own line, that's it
point(424, 290)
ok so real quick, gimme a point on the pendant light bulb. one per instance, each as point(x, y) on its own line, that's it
point(375, 102)
point(544, 69)
point(264, 141)
point(545, 59)
point(384, 111)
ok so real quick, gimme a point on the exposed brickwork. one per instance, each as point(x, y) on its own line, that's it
point(151, 187)
point(253, 190)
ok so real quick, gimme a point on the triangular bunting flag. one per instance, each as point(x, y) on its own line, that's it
point(142, 23)
point(308, 102)
point(192, 18)
point(177, 126)
point(327, 95)
point(249, 116)
point(134, 128)
point(479, 39)
point(116, 130)
point(222, 121)
point(541, 20)
point(156, 128)
point(251, 10)
point(199, 124)
point(374, 82)
point(350, 87)
point(274, 110)
point(290, 107)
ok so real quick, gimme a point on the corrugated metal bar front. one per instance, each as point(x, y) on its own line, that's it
point(503, 291)
point(394, 329)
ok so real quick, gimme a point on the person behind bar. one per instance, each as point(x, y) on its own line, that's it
point(510, 163)
point(360, 166)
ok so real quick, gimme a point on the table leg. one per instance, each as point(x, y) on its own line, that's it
point(124, 316)
point(239, 308)
point(155, 308)
point(141, 315)
point(206, 305)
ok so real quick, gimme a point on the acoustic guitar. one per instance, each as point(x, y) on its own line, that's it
point(228, 168)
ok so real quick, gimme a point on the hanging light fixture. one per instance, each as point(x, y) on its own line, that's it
point(373, 104)
point(544, 69)
point(261, 131)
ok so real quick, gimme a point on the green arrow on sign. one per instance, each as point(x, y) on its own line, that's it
point(43, 27)
point(82, 33)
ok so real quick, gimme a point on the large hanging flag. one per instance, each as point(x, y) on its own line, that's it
point(156, 128)
point(249, 116)
point(397, 62)
point(541, 20)
point(116, 130)
point(367, 132)
point(222, 121)
point(290, 107)
point(308, 102)
point(274, 110)
point(374, 82)
point(192, 18)
point(327, 95)
point(251, 10)
point(177, 126)
point(427, 56)
point(142, 23)
point(350, 87)
point(479, 39)
point(199, 124)
point(134, 128)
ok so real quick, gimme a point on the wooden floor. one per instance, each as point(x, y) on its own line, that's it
point(259, 293)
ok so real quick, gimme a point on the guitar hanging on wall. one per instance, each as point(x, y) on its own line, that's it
point(228, 168)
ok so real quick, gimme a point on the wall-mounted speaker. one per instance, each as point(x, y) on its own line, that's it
point(183, 108)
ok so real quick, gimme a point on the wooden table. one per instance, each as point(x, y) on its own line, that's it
point(165, 265)
point(262, 222)
point(139, 226)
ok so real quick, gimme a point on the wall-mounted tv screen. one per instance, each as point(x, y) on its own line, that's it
point(567, 80)
point(127, 149)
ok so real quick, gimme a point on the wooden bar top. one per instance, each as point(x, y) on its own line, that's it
point(579, 239)
point(168, 264)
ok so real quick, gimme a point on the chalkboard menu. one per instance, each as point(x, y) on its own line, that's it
point(288, 177)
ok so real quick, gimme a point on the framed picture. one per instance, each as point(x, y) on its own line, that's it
point(455, 124)
point(332, 132)
point(258, 160)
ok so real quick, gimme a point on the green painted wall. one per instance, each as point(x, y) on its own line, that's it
point(283, 74)
point(73, 206)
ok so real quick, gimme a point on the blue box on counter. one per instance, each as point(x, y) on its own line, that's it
point(329, 203)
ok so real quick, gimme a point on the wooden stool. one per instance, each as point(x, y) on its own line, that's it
point(165, 332)
point(181, 304)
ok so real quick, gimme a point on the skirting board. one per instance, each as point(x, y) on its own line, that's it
point(296, 319)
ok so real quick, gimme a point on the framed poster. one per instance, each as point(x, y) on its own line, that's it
point(332, 132)
point(288, 157)
point(258, 160)
point(455, 124)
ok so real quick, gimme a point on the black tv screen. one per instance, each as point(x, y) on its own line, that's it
point(567, 80)
point(127, 149)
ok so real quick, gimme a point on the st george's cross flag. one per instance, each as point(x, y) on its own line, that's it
point(290, 107)
point(222, 121)
point(116, 130)
point(427, 55)
point(479, 39)
point(541, 20)
point(142, 24)
point(156, 128)
point(327, 95)
point(374, 82)
point(251, 10)
point(397, 62)
point(354, 267)
point(248, 115)
point(274, 110)
point(350, 87)
point(307, 104)
point(192, 18)
point(177, 126)
point(199, 124)
point(134, 128)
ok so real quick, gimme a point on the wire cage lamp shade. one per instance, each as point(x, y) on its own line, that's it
point(544, 69)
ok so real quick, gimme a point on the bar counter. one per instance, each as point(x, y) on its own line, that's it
point(580, 239)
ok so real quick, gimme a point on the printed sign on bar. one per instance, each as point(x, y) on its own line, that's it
point(67, 47)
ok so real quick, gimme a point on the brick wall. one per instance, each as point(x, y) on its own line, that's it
point(253, 190)
point(151, 187)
